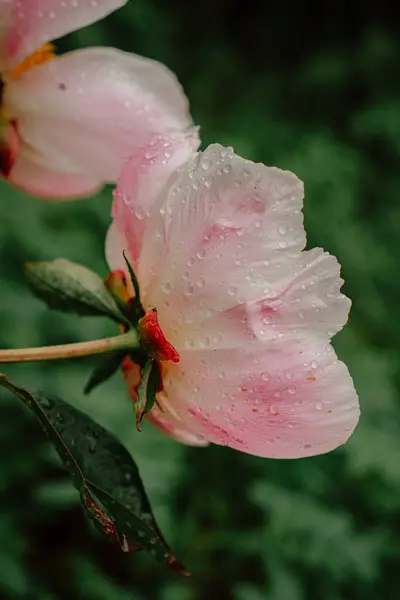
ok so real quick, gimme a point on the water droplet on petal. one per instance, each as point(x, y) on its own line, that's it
point(166, 287)
point(232, 290)
point(206, 164)
point(282, 229)
point(139, 213)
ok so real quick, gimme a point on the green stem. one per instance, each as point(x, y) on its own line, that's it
point(127, 341)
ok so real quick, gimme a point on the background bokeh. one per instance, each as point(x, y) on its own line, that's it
point(312, 87)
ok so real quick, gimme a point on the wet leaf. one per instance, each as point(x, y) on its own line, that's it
point(149, 383)
point(104, 473)
point(67, 286)
point(107, 366)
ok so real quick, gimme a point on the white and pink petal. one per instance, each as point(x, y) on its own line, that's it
point(144, 178)
point(307, 298)
point(228, 228)
point(28, 24)
point(78, 123)
point(48, 183)
point(295, 401)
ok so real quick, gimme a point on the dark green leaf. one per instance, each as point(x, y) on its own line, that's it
point(149, 383)
point(104, 473)
point(107, 366)
point(67, 286)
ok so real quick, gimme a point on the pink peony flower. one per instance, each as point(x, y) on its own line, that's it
point(67, 123)
point(217, 244)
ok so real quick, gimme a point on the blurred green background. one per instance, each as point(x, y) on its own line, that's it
point(312, 87)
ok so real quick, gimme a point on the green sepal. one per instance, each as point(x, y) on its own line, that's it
point(134, 309)
point(104, 473)
point(108, 365)
point(70, 287)
point(149, 384)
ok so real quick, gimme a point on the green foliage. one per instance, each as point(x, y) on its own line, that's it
point(68, 286)
point(319, 95)
point(149, 384)
point(102, 471)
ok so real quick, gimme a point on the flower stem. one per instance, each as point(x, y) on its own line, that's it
point(127, 341)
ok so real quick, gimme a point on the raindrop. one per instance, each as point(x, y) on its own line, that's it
point(282, 229)
point(208, 181)
point(232, 290)
point(227, 169)
point(92, 443)
point(139, 213)
point(205, 342)
point(217, 339)
point(166, 287)
point(206, 164)
point(318, 405)
point(273, 410)
point(46, 403)
point(189, 290)
point(150, 153)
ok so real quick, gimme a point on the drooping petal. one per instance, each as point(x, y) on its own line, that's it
point(143, 179)
point(27, 24)
point(291, 402)
point(308, 298)
point(89, 110)
point(165, 424)
point(39, 180)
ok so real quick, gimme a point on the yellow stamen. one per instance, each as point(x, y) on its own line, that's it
point(40, 56)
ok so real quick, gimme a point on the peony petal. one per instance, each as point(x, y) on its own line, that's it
point(31, 23)
point(38, 180)
point(166, 425)
point(115, 246)
point(295, 401)
point(307, 299)
point(89, 110)
point(227, 227)
point(143, 178)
